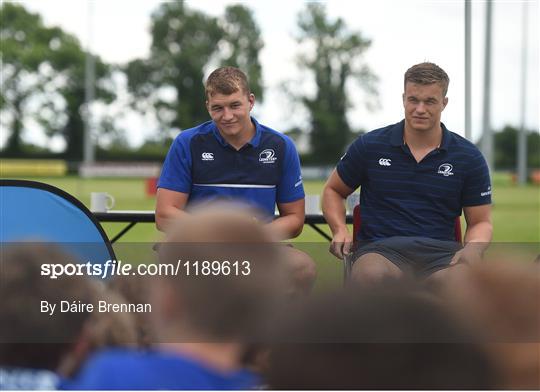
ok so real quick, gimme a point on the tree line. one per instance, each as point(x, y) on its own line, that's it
point(42, 72)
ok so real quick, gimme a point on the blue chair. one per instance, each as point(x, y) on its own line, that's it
point(32, 211)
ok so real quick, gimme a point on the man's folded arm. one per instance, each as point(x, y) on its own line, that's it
point(479, 226)
point(290, 222)
point(478, 234)
point(333, 205)
point(169, 206)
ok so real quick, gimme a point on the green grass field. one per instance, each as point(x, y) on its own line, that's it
point(516, 210)
point(516, 215)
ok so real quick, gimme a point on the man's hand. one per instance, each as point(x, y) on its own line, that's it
point(477, 236)
point(341, 244)
point(333, 204)
point(470, 254)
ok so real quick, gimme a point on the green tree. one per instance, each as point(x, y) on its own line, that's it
point(24, 45)
point(185, 42)
point(242, 38)
point(42, 73)
point(334, 59)
point(70, 62)
point(505, 143)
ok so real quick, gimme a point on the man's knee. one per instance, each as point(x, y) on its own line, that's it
point(448, 275)
point(304, 271)
point(372, 268)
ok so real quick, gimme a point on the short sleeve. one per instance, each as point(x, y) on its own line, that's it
point(176, 170)
point(290, 187)
point(477, 184)
point(352, 168)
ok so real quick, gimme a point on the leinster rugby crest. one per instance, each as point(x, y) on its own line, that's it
point(446, 170)
point(267, 156)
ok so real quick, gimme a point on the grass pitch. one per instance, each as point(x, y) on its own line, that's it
point(516, 217)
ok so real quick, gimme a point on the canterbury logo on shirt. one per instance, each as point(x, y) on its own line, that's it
point(385, 162)
point(207, 156)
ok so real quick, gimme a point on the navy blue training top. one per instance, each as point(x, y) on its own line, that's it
point(265, 171)
point(400, 197)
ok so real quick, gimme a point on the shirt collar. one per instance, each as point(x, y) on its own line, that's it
point(446, 136)
point(255, 140)
point(396, 136)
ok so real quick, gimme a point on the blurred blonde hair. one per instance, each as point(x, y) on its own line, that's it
point(226, 80)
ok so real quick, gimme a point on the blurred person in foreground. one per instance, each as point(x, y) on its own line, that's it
point(233, 157)
point(102, 330)
point(391, 336)
point(501, 299)
point(202, 320)
point(134, 289)
point(41, 350)
point(415, 178)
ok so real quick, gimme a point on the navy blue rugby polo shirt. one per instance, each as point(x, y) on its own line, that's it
point(265, 171)
point(400, 197)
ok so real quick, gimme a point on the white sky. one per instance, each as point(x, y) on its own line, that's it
point(403, 33)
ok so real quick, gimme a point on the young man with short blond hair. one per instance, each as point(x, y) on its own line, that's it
point(233, 157)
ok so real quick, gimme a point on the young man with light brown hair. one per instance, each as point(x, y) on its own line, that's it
point(416, 178)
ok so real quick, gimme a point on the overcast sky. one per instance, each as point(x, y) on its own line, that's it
point(403, 33)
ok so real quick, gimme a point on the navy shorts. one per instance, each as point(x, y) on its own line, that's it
point(421, 256)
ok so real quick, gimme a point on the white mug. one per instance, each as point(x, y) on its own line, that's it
point(313, 204)
point(101, 202)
